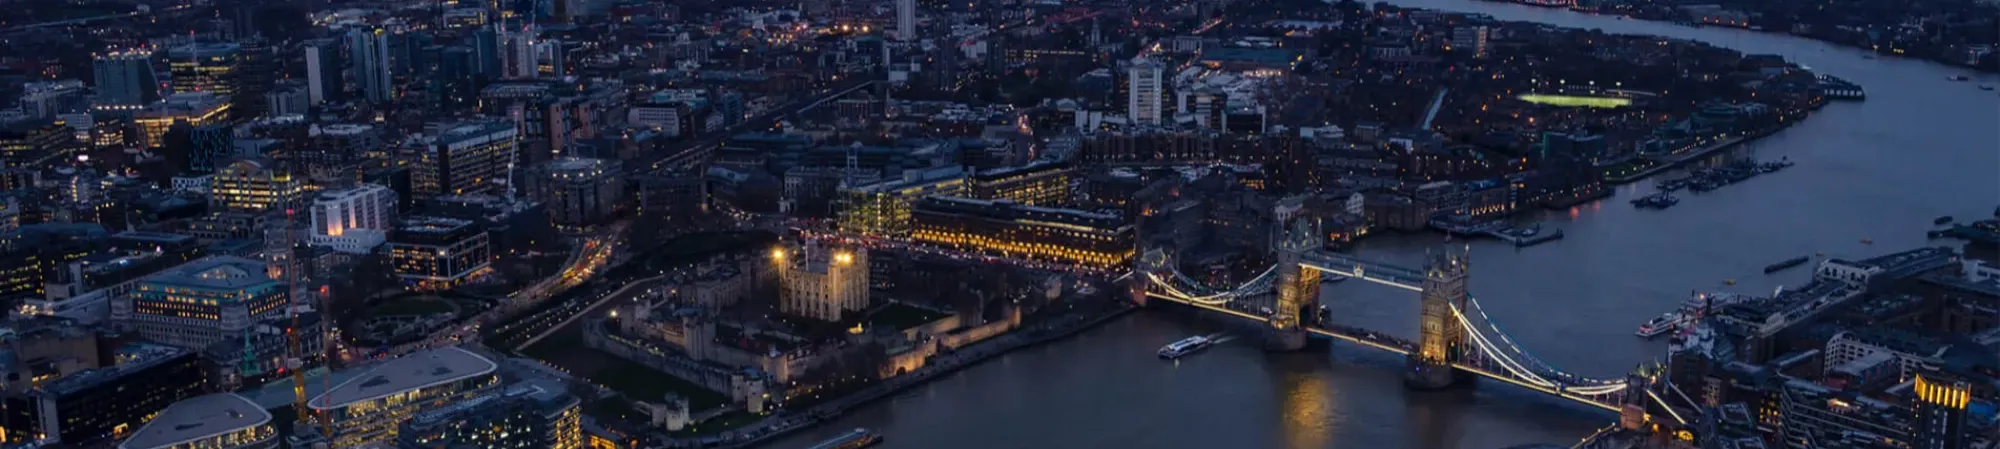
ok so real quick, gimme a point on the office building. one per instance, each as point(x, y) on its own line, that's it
point(883, 208)
point(254, 187)
point(202, 302)
point(125, 80)
point(204, 67)
point(196, 109)
point(906, 20)
point(526, 415)
point(355, 220)
point(467, 159)
point(520, 57)
point(1003, 228)
point(1040, 183)
point(370, 51)
point(323, 80)
point(334, 154)
point(820, 282)
point(1811, 414)
point(100, 406)
point(434, 253)
point(1145, 92)
point(215, 421)
point(27, 144)
point(46, 100)
point(197, 149)
point(579, 193)
point(287, 97)
point(257, 71)
point(368, 409)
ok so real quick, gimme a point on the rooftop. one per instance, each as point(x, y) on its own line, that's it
point(215, 272)
point(409, 372)
point(142, 358)
point(197, 418)
point(432, 225)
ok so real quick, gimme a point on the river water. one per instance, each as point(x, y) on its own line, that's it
point(1877, 171)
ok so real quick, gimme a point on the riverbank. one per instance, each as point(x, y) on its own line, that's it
point(1875, 50)
point(789, 422)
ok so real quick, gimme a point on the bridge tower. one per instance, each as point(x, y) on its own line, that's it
point(1152, 260)
point(1442, 340)
point(1298, 286)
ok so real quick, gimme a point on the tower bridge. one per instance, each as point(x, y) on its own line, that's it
point(1457, 341)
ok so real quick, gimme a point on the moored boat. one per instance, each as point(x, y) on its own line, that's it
point(1787, 263)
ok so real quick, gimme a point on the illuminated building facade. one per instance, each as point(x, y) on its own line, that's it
point(97, 407)
point(216, 421)
point(1038, 233)
point(530, 415)
point(1042, 184)
point(434, 253)
point(579, 193)
point(1939, 412)
point(204, 67)
point(202, 302)
point(470, 158)
point(368, 409)
point(33, 146)
point(197, 109)
point(251, 186)
point(883, 208)
point(822, 283)
point(353, 221)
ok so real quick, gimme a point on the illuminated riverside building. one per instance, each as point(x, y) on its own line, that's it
point(216, 421)
point(528, 415)
point(469, 158)
point(204, 67)
point(197, 109)
point(202, 302)
point(883, 208)
point(1038, 233)
point(435, 253)
point(368, 409)
point(822, 283)
point(250, 186)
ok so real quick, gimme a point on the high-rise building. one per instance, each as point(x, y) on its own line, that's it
point(1470, 39)
point(196, 109)
point(215, 421)
point(100, 406)
point(256, 73)
point(906, 20)
point(46, 100)
point(528, 415)
point(822, 283)
point(288, 97)
point(578, 192)
point(323, 82)
point(1145, 91)
point(370, 51)
point(519, 56)
point(252, 186)
point(125, 80)
point(202, 302)
point(196, 149)
point(368, 409)
point(25, 144)
point(204, 67)
point(470, 158)
point(355, 220)
point(434, 253)
point(1938, 413)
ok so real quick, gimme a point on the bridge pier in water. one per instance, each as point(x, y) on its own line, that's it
point(1442, 339)
point(1298, 286)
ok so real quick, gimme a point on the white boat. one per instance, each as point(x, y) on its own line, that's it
point(1660, 325)
point(1184, 347)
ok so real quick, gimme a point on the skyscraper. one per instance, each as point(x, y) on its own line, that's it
point(323, 83)
point(125, 80)
point(1939, 411)
point(204, 67)
point(469, 158)
point(257, 71)
point(519, 55)
point(1145, 91)
point(370, 52)
point(906, 20)
point(354, 220)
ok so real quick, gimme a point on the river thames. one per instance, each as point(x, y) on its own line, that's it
point(1877, 171)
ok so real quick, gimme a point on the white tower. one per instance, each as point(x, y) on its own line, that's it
point(1144, 102)
point(906, 20)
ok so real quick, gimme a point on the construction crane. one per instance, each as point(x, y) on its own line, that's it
point(292, 360)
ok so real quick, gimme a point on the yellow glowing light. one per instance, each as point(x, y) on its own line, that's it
point(778, 253)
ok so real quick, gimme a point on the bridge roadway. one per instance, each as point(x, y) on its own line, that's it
point(1397, 346)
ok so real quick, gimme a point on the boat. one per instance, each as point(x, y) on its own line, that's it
point(1659, 325)
point(1729, 282)
point(1986, 87)
point(1184, 347)
point(1867, 241)
point(1787, 263)
point(859, 438)
point(1941, 220)
point(1960, 77)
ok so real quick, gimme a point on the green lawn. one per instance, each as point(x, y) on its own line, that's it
point(566, 349)
point(900, 317)
point(726, 421)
